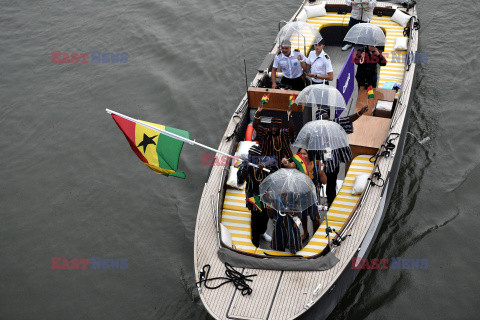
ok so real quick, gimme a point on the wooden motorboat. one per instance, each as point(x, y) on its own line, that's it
point(316, 277)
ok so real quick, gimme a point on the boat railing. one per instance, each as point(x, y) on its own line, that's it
point(216, 217)
point(355, 214)
point(401, 105)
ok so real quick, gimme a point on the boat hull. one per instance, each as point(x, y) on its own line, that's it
point(325, 306)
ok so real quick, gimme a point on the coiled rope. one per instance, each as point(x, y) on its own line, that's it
point(239, 280)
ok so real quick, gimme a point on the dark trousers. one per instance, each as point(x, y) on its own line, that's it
point(332, 185)
point(296, 83)
point(351, 23)
point(259, 225)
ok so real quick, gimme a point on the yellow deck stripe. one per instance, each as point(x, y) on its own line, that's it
point(239, 228)
point(239, 235)
point(236, 208)
point(241, 243)
point(236, 221)
point(236, 200)
point(237, 214)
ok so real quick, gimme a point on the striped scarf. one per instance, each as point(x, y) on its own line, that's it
point(278, 146)
point(286, 233)
point(338, 155)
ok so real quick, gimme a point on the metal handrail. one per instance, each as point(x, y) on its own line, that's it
point(215, 218)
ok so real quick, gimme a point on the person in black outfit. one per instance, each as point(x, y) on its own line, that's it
point(367, 60)
point(254, 176)
point(332, 164)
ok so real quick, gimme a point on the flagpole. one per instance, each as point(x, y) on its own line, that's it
point(177, 137)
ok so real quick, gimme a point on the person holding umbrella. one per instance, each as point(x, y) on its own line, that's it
point(288, 192)
point(303, 161)
point(332, 158)
point(362, 11)
point(367, 60)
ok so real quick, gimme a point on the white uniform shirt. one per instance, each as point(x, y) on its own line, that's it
point(290, 66)
point(362, 11)
point(320, 65)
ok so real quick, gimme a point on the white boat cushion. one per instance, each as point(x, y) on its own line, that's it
point(316, 10)
point(302, 16)
point(360, 183)
point(401, 18)
point(226, 236)
point(232, 179)
point(401, 44)
point(243, 148)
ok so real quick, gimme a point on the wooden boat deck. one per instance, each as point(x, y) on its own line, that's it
point(283, 294)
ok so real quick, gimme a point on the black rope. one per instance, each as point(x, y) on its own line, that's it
point(239, 280)
point(377, 175)
point(337, 241)
point(416, 23)
point(385, 149)
point(235, 131)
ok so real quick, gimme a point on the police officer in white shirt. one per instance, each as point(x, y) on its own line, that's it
point(320, 65)
point(292, 64)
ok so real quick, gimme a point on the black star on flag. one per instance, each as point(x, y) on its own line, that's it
point(146, 141)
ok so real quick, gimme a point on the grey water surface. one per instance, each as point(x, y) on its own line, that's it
point(70, 186)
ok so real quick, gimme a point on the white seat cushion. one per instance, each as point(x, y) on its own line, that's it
point(401, 18)
point(316, 10)
point(401, 44)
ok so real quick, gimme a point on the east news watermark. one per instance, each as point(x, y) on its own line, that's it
point(98, 57)
point(209, 160)
point(96, 263)
point(395, 57)
point(392, 263)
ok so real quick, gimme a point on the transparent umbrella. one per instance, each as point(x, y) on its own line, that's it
point(299, 33)
point(366, 34)
point(322, 135)
point(318, 95)
point(288, 190)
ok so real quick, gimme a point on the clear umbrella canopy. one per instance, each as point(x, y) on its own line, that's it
point(322, 135)
point(288, 190)
point(300, 34)
point(318, 95)
point(366, 34)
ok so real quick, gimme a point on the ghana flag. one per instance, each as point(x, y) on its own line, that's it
point(300, 162)
point(256, 202)
point(157, 150)
point(291, 100)
point(370, 93)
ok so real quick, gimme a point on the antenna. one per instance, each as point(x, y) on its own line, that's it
point(246, 81)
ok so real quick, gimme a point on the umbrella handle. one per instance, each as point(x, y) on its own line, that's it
point(281, 214)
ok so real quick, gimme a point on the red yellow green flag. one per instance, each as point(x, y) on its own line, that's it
point(265, 98)
point(291, 100)
point(158, 151)
point(300, 162)
point(256, 202)
point(370, 93)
